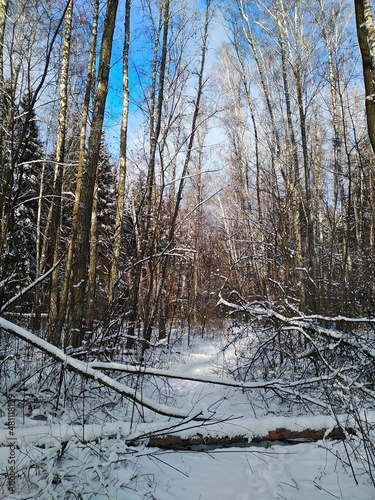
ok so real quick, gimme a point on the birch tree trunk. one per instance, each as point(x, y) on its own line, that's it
point(247, 30)
point(143, 275)
point(151, 226)
point(53, 335)
point(293, 181)
point(81, 158)
point(122, 168)
point(40, 243)
point(172, 228)
point(328, 25)
point(198, 232)
point(3, 17)
point(5, 172)
point(17, 143)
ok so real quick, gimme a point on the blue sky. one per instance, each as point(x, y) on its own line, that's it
point(140, 56)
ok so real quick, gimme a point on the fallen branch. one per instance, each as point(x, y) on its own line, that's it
point(274, 384)
point(29, 287)
point(304, 323)
point(228, 382)
point(88, 372)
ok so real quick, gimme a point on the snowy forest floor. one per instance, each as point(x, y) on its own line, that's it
point(57, 457)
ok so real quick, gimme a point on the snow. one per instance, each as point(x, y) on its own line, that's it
point(195, 375)
point(109, 459)
point(47, 434)
point(303, 471)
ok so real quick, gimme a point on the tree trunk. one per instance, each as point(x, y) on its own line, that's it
point(293, 181)
point(3, 17)
point(81, 158)
point(155, 128)
point(82, 247)
point(91, 290)
point(249, 37)
point(56, 206)
point(197, 235)
point(176, 442)
point(366, 40)
point(122, 169)
point(172, 226)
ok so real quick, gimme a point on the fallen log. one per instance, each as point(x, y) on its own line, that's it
point(175, 442)
point(282, 434)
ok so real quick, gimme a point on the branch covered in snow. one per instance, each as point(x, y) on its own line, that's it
point(344, 356)
point(276, 384)
point(307, 323)
point(28, 288)
point(87, 371)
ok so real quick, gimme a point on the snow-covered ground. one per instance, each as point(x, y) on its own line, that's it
point(52, 461)
point(306, 471)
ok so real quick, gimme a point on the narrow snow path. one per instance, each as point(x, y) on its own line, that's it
point(106, 468)
point(305, 471)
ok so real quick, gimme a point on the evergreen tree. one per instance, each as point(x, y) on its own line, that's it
point(101, 238)
point(106, 210)
point(21, 172)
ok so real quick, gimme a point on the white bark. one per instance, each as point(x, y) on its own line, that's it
point(369, 23)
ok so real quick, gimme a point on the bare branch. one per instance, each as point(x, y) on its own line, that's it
point(29, 287)
point(88, 372)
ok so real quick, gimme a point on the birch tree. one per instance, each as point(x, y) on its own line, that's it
point(26, 77)
point(120, 206)
point(64, 296)
point(56, 206)
point(3, 16)
point(190, 145)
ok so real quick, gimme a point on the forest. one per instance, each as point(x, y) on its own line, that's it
point(175, 171)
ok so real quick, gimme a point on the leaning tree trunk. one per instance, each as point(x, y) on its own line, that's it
point(64, 295)
point(82, 246)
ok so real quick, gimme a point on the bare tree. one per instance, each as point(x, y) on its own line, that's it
point(82, 247)
point(190, 145)
point(3, 16)
point(25, 85)
point(56, 206)
point(64, 296)
point(117, 249)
